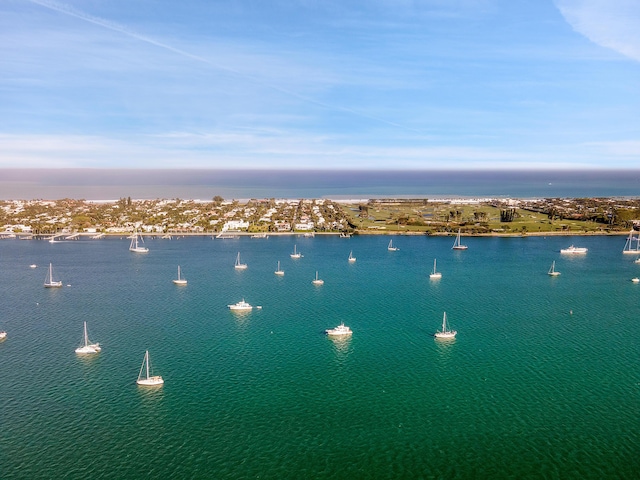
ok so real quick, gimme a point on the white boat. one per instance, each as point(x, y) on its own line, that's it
point(87, 348)
point(637, 260)
point(33, 265)
point(3, 335)
point(278, 271)
point(317, 281)
point(241, 305)
point(628, 246)
point(457, 245)
point(340, 330)
point(574, 250)
point(50, 282)
point(635, 280)
point(144, 377)
point(435, 274)
point(552, 271)
point(239, 265)
point(179, 280)
point(296, 253)
point(445, 332)
point(390, 247)
point(134, 246)
point(351, 257)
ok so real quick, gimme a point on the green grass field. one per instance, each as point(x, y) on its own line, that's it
point(424, 217)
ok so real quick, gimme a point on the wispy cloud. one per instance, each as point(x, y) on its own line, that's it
point(71, 11)
point(246, 149)
point(613, 24)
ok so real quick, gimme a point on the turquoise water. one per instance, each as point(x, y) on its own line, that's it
point(542, 380)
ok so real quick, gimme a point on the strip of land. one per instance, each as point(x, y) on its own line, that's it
point(220, 217)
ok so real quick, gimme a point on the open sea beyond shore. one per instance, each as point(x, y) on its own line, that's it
point(542, 380)
point(111, 184)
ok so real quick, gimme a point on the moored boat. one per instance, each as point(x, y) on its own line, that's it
point(573, 250)
point(445, 333)
point(340, 330)
point(241, 305)
point(144, 377)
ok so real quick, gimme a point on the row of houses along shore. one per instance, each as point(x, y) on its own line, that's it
point(216, 216)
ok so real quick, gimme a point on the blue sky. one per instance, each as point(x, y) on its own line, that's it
point(371, 84)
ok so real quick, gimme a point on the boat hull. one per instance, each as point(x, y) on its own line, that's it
point(155, 381)
point(446, 335)
point(88, 350)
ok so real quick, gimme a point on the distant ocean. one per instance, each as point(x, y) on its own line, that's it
point(111, 184)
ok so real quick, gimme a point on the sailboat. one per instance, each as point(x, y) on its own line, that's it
point(317, 281)
point(628, 246)
point(239, 265)
point(134, 247)
point(457, 245)
point(50, 282)
point(351, 257)
point(435, 274)
point(278, 271)
point(179, 280)
point(295, 253)
point(552, 271)
point(445, 333)
point(87, 347)
point(390, 247)
point(144, 378)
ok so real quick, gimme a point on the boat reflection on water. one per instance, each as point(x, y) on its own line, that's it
point(341, 345)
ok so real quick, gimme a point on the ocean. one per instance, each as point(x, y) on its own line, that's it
point(542, 380)
point(112, 184)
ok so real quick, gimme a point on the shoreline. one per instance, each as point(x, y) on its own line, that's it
point(232, 235)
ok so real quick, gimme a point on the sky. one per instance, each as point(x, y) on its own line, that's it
point(320, 84)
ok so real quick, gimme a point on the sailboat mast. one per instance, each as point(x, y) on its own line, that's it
point(86, 337)
point(146, 359)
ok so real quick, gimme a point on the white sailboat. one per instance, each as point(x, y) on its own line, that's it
point(278, 271)
point(239, 265)
point(552, 271)
point(50, 282)
point(390, 247)
point(296, 253)
point(435, 274)
point(179, 280)
point(144, 377)
point(87, 348)
point(457, 245)
point(628, 246)
point(134, 246)
point(317, 281)
point(445, 333)
point(351, 257)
